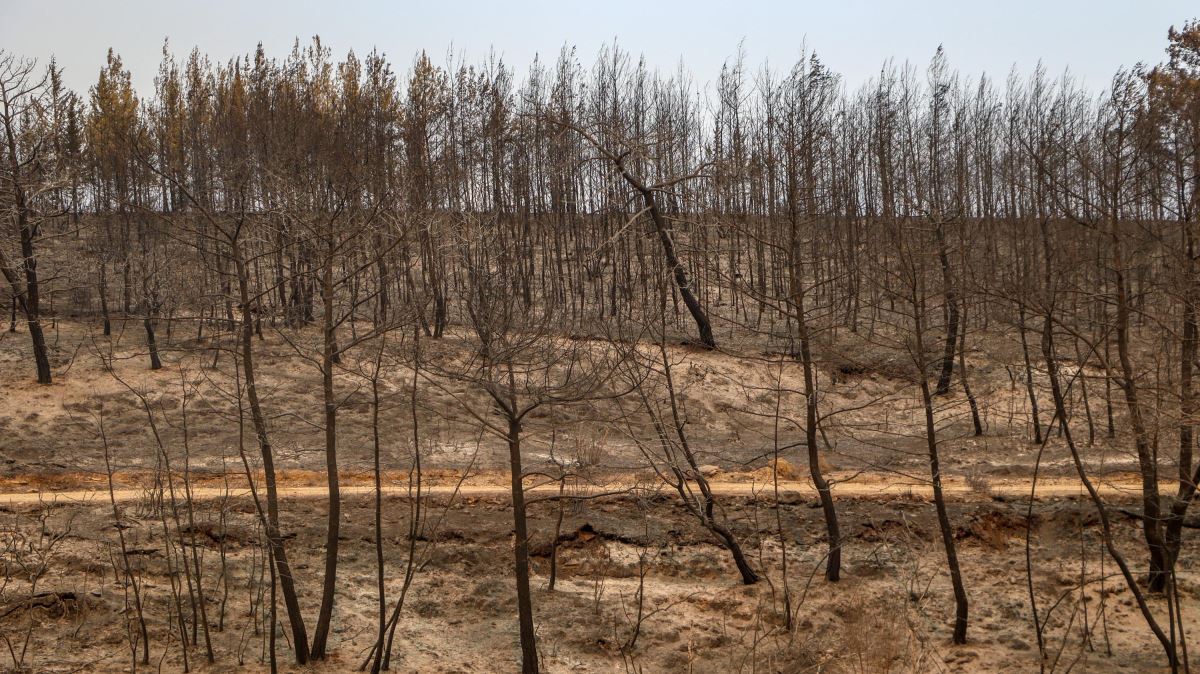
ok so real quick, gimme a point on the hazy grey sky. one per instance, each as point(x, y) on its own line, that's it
point(854, 37)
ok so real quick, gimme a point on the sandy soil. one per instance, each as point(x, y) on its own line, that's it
point(65, 606)
point(858, 486)
point(891, 612)
point(872, 418)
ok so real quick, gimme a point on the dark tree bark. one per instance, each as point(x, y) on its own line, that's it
point(329, 353)
point(950, 295)
point(678, 272)
point(1029, 389)
point(529, 655)
point(152, 344)
point(25, 284)
point(287, 583)
point(962, 374)
point(833, 537)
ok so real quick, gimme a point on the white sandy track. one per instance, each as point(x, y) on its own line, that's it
point(861, 487)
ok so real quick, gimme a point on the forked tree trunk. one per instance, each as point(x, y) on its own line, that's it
point(796, 290)
point(329, 353)
point(1131, 582)
point(939, 500)
point(706, 509)
point(287, 583)
point(935, 472)
point(27, 291)
point(1152, 516)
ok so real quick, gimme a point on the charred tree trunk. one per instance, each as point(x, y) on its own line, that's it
point(962, 374)
point(529, 656)
point(951, 299)
point(329, 353)
point(102, 290)
point(935, 471)
point(1152, 516)
point(1131, 582)
point(678, 272)
point(1029, 390)
point(833, 564)
point(151, 343)
point(27, 290)
point(274, 537)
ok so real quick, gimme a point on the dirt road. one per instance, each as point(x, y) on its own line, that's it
point(861, 486)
